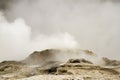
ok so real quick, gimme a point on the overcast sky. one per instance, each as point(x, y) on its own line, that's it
point(94, 24)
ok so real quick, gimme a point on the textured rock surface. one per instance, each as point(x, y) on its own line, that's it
point(109, 62)
point(73, 69)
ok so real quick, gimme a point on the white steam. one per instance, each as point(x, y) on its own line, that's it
point(16, 42)
point(94, 23)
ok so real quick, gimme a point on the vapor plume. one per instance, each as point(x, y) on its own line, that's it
point(16, 42)
point(44, 23)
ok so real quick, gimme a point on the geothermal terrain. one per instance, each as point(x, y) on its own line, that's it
point(61, 64)
point(57, 28)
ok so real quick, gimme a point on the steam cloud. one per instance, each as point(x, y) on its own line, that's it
point(39, 24)
point(16, 40)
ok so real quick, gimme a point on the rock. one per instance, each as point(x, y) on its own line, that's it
point(109, 62)
point(61, 55)
point(79, 61)
point(45, 63)
point(9, 66)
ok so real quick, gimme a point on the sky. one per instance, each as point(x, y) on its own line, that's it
point(29, 25)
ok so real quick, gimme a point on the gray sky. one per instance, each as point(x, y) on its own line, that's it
point(94, 24)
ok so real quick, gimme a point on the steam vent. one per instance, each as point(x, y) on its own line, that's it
point(59, 39)
point(60, 64)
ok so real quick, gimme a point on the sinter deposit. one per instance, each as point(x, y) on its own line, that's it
point(57, 64)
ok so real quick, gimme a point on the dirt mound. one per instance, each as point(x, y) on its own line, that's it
point(48, 62)
point(60, 55)
point(109, 62)
point(41, 57)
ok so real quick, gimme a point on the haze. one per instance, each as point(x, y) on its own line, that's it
point(29, 25)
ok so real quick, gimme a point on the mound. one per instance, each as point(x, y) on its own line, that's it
point(59, 55)
point(56, 62)
point(109, 62)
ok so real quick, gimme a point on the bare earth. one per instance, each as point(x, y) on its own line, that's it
point(73, 69)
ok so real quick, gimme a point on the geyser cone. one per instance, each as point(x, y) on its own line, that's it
point(58, 55)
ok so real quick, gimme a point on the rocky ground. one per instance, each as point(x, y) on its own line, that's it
point(73, 69)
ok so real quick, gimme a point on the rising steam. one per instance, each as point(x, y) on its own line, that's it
point(29, 25)
point(16, 42)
